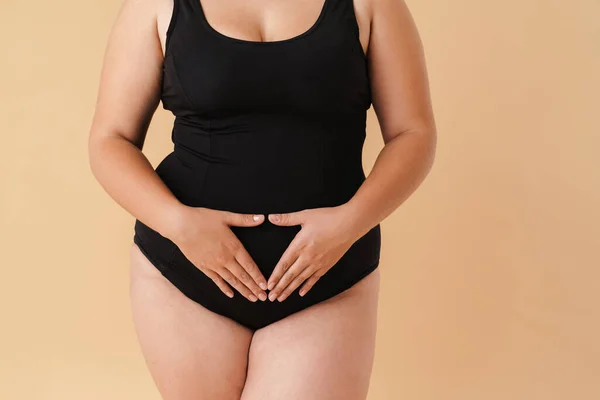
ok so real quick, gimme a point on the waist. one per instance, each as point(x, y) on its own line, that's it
point(264, 172)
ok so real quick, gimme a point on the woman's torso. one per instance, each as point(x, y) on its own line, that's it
point(264, 127)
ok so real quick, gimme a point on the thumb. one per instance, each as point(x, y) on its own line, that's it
point(237, 219)
point(287, 219)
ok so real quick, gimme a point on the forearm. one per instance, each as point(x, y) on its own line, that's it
point(399, 169)
point(128, 177)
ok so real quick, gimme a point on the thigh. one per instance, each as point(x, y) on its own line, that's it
point(191, 352)
point(324, 352)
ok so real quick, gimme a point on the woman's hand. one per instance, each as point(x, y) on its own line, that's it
point(205, 238)
point(326, 234)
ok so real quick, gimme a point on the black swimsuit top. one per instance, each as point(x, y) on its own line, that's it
point(265, 126)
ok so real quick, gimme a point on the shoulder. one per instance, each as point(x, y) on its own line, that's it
point(383, 9)
point(381, 12)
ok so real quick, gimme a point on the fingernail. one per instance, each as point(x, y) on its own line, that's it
point(262, 296)
point(271, 285)
point(263, 285)
point(230, 294)
point(253, 297)
point(272, 296)
point(257, 217)
point(275, 217)
point(281, 298)
point(302, 292)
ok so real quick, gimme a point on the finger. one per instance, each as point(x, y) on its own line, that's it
point(245, 278)
point(247, 262)
point(304, 275)
point(295, 269)
point(237, 219)
point(309, 283)
point(286, 260)
point(289, 256)
point(236, 283)
point(218, 280)
point(287, 219)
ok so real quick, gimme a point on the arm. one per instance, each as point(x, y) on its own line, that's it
point(128, 96)
point(401, 100)
point(127, 99)
point(400, 97)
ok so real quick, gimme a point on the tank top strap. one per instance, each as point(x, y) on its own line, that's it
point(186, 8)
point(343, 12)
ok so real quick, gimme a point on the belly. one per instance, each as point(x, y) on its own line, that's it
point(268, 165)
point(264, 166)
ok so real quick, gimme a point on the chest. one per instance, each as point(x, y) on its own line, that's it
point(322, 69)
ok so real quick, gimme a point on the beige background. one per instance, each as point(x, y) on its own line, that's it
point(491, 278)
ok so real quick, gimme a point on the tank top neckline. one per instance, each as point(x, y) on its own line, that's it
point(232, 39)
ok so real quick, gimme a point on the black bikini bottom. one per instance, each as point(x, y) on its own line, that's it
point(265, 243)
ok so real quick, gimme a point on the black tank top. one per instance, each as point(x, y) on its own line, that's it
point(266, 126)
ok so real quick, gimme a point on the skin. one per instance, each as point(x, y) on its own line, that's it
point(329, 345)
point(195, 354)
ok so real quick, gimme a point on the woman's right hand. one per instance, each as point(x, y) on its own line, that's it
point(204, 237)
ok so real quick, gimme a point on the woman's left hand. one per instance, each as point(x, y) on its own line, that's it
point(326, 234)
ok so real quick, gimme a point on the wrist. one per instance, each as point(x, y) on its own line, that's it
point(176, 217)
point(357, 217)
